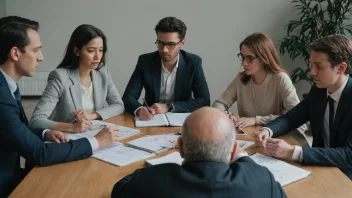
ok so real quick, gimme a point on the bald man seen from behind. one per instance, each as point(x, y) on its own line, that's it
point(214, 166)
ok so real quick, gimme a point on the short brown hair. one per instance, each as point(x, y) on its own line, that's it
point(263, 48)
point(337, 47)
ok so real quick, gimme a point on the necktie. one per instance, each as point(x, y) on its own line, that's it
point(18, 96)
point(331, 117)
point(19, 102)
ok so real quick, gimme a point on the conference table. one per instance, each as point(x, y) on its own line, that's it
point(94, 178)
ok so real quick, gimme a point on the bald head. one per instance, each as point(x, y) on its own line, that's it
point(208, 125)
point(208, 134)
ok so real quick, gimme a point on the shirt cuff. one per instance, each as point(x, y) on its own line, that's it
point(297, 154)
point(135, 111)
point(239, 155)
point(270, 131)
point(43, 133)
point(93, 143)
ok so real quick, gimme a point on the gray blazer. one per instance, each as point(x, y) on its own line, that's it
point(62, 96)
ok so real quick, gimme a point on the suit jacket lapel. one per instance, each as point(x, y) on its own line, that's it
point(156, 76)
point(3, 83)
point(180, 75)
point(344, 103)
point(75, 89)
point(97, 84)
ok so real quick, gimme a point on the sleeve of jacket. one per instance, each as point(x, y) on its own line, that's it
point(114, 100)
point(47, 102)
point(134, 89)
point(16, 136)
point(293, 119)
point(127, 187)
point(340, 157)
point(200, 92)
point(276, 188)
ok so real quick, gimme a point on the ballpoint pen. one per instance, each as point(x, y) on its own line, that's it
point(150, 111)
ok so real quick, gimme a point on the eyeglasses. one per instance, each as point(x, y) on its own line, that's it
point(249, 58)
point(170, 46)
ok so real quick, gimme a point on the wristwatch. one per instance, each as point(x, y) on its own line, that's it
point(170, 106)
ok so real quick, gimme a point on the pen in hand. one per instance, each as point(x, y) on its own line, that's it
point(150, 111)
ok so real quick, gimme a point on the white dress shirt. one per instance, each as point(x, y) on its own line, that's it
point(167, 84)
point(87, 98)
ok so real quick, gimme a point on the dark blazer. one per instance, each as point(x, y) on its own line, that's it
point(17, 139)
point(189, 79)
point(312, 109)
point(243, 178)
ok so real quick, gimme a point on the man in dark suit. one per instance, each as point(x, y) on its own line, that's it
point(327, 107)
point(173, 79)
point(20, 55)
point(214, 166)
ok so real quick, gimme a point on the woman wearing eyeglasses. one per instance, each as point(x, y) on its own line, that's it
point(263, 91)
point(81, 88)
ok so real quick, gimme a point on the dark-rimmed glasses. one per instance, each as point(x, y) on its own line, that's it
point(248, 58)
point(170, 46)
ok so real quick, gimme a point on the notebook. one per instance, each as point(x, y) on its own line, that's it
point(154, 143)
point(167, 119)
point(96, 126)
point(121, 155)
point(174, 157)
point(283, 172)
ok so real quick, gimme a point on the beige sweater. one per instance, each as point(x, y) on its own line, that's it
point(267, 101)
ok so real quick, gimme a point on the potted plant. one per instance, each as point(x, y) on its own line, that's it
point(318, 18)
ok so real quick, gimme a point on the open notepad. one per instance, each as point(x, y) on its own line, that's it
point(283, 172)
point(167, 119)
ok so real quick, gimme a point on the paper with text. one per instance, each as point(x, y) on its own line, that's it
point(283, 172)
point(121, 155)
point(97, 126)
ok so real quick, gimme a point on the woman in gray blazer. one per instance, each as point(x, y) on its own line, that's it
point(81, 88)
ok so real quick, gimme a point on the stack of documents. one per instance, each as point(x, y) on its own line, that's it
point(283, 172)
point(167, 119)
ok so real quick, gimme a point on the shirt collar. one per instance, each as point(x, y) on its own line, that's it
point(176, 66)
point(337, 94)
point(10, 82)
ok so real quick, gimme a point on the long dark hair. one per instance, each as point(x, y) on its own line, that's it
point(80, 37)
